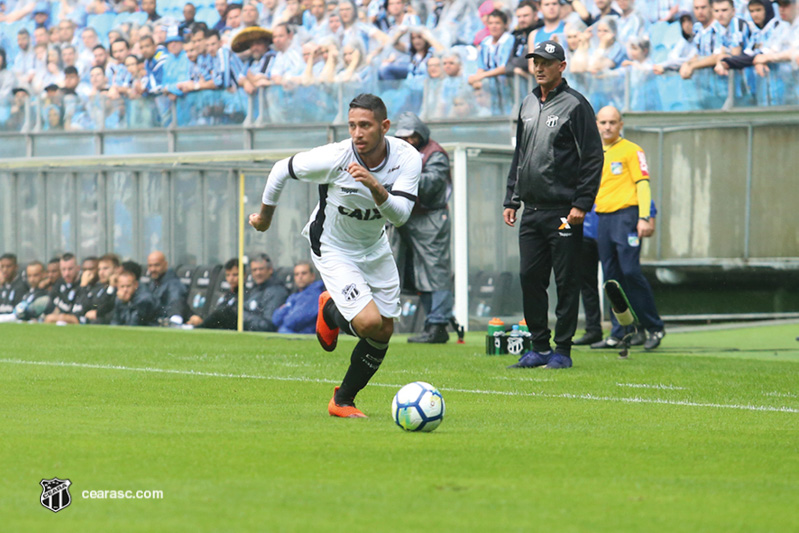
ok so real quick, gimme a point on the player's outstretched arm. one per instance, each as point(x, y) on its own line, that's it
point(261, 221)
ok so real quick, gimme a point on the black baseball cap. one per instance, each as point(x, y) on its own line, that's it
point(548, 50)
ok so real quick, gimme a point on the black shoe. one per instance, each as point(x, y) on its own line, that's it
point(588, 338)
point(653, 339)
point(434, 334)
point(610, 342)
point(638, 338)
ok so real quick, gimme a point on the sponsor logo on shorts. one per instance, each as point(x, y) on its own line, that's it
point(350, 292)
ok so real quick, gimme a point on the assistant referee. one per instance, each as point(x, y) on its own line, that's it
point(556, 171)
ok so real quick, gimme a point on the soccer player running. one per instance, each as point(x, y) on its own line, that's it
point(363, 182)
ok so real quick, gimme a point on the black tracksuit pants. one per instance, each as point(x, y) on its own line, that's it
point(546, 244)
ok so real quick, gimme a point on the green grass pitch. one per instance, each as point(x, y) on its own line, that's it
point(702, 435)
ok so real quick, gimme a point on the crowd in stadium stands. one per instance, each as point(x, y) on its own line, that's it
point(107, 291)
point(94, 64)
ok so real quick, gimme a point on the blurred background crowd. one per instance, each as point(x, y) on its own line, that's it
point(110, 64)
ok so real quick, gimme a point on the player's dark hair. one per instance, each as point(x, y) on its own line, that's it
point(231, 263)
point(731, 2)
point(71, 71)
point(68, 257)
point(90, 258)
point(372, 103)
point(212, 33)
point(9, 256)
point(99, 46)
point(23, 31)
point(110, 258)
point(121, 40)
point(54, 260)
point(528, 3)
point(147, 38)
point(133, 267)
point(498, 13)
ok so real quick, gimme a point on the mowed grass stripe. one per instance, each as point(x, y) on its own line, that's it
point(302, 379)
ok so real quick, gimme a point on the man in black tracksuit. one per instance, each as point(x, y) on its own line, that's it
point(556, 171)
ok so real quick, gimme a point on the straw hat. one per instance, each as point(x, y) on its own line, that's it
point(246, 37)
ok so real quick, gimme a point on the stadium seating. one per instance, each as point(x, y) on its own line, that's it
point(202, 285)
point(219, 289)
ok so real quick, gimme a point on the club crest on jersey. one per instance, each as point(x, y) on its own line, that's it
point(350, 292)
point(552, 121)
point(367, 214)
point(55, 494)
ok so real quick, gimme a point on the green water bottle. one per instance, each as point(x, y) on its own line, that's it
point(495, 337)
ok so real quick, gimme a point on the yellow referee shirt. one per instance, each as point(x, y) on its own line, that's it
point(625, 179)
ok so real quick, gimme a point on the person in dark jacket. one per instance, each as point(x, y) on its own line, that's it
point(134, 305)
point(65, 292)
point(12, 287)
point(104, 292)
point(422, 244)
point(298, 314)
point(261, 301)
point(225, 313)
point(33, 302)
point(556, 171)
point(167, 289)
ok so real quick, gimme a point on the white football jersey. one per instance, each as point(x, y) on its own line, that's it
point(346, 216)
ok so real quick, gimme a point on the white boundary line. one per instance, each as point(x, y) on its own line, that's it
point(589, 397)
point(648, 386)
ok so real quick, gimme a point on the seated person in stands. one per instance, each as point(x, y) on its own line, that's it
point(65, 292)
point(104, 293)
point(298, 314)
point(85, 299)
point(12, 287)
point(261, 302)
point(52, 275)
point(35, 300)
point(134, 305)
point(167, 290)
point(609, 52)
point(225, 315)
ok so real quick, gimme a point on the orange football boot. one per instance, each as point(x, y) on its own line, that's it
point(328, 337)
point(343, 411)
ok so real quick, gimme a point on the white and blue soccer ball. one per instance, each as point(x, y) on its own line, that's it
point(418, 406)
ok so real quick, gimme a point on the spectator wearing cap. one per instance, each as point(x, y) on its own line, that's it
point(298, 314)
point(149, 7)
point(494, 53)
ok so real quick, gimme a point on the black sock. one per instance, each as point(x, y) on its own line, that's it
point(365, 360)
point(334, 319)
